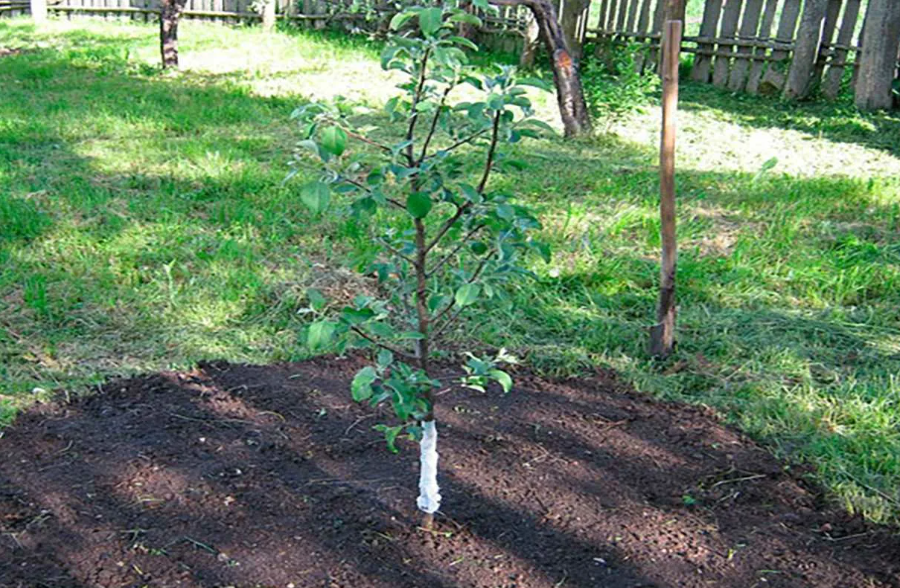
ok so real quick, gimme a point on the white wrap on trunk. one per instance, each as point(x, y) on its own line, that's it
point(429, 494)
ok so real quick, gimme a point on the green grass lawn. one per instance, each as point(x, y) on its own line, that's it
point(145, 225)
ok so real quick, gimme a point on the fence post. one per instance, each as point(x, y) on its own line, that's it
point(662, 334)
point(832, 86)
point(39, 11)
point(268, 16)
point(806, 50)
point(879, 55)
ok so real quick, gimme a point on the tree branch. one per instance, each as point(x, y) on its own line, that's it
point(397, 252)
point(415, 113)
point(437, 332)
point(362, 187)
point(492, 150)
point(455, 250)
point(461, 142)
point(461, 210)
point(434, 122)
point(381, 344)
point(368, 141)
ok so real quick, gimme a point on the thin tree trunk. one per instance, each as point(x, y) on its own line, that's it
point(169, 15)
point(569, 92)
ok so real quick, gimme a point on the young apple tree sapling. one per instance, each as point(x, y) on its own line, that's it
point(445, 240)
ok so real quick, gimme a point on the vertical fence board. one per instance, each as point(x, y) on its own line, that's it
point(601, 14)
point(611, 16)
point(749, 28)
point(620, 16)
point(832, 12)
point(790, 12)
point(656, 29)
point(765, 29)
point(631, 20)
point(806, 50)
point(708, 27)
point(642, 27)
point(832, 85)
point(730, 17)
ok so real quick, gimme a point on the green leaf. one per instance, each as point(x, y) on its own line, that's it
point(320, 334)
point(361, 387)
point(334, 140)
point(317, 300)
point(467, 294)
point(467, 18)
point(390, 435)
point(411, 335)
point(316, 196)
point(401, 18)
point(356, 316)
point(418, 204)
point(385, 358)
point(431, 20)
point(503, 379)
point(464, 42)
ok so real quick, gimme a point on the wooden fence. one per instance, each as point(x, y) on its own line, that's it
point(504, 31)
point(758, 46)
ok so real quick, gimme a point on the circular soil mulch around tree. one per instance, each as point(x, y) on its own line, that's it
point(271, 476)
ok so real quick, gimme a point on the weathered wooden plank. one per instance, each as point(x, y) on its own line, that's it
point(656, 30)
point(642, 25)
point(622, 14)
point(832, 84)
point(702, 65)
point(748, 30)
point(806, 50)
point(765, 29)
point(790, 12)
point(878, 62)
point(832, 12)
point(610, 23)
point(730, 17)
point(601, 14)
point(631, 19)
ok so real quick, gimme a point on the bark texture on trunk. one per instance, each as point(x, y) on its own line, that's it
point(169, 15)
point(569, 92)
point(877, 66)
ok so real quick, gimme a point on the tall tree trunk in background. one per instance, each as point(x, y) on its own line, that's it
point(169, 15)
point(569, 92)
point(879, 55)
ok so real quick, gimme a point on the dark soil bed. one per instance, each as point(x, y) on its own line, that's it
point(271, 476)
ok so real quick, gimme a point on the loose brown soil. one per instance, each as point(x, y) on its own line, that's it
point(271, 476)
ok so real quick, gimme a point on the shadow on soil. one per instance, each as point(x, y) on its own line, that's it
point(270, 476)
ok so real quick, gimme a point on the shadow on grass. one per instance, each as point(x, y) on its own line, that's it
point(146, 224)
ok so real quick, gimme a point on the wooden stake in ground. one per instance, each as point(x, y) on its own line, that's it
point(662, 334)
